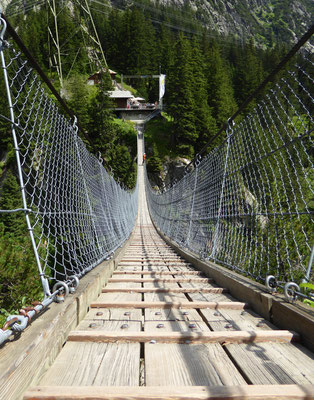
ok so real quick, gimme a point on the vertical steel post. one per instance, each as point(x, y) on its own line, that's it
point(213, 253)
point(44, 280)
point(75, 128)
point(192, 205)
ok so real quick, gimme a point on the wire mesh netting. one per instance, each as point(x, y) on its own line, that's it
point(77, 213)
point(249, 203)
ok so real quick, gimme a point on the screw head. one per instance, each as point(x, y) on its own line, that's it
point(228, 326)
point(153, 341)
point(160, 325)
point(157, 313)
point(93, 325)
point(185, 313)
point(217, 314)
point(192, 326)
point(124, 326)
point(127, 313)
point(99, 313)
point(243, 312)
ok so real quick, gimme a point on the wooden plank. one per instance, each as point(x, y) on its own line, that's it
point(116, 314)
point(193, 364)
point(85, 364)
point(208, 296)
point(171, 314)
point(165, 290)
point(119, 284)
point(113, 325)
point(256, 392)
point(165, 297)
point(176, 326)
point(162, 304)
point(148, 258)
point(235, 320)
point(117, 296)
point(157, 273)
point(153, 280)
point(183, 337)
point(273, 363)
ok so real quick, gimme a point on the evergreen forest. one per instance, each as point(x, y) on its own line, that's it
point(207, 78)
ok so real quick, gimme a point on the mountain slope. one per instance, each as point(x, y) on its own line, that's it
point(268, 21)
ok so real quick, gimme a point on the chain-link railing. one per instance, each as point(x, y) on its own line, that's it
point(248, 204)
point(77, 214)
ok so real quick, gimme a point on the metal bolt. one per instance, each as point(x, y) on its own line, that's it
point(127, 313)
point(99, 313)
point(153, 341)
point(124, 326)
point(157, 313)
point(217, 314)
point(228, 326)
point(261, 323)
point(93, 325)
point(243, 312)
point(192, 326)
point(185, 313)
point(160, 325)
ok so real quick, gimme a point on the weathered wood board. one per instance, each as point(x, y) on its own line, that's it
point(248, 392)
point(88, 364)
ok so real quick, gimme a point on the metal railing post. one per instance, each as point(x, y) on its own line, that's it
point(44, 281)
point(192, 205)
point(75, 128)
point(214, 249)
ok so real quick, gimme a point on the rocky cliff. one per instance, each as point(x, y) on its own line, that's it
point(267, 20)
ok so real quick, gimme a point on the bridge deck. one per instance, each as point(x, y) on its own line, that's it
point(161, 330)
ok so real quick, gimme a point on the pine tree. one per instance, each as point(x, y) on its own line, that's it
point(249, 74)
point(181, 100)
point(205, 123)
point(219, 86)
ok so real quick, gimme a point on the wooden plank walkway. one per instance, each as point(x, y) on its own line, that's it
point(161, 330)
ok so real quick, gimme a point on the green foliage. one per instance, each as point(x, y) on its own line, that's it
point(19, 280)
point(158, 133)
point(308, 288)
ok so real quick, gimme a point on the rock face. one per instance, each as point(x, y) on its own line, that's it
point(174, 169)
point(3, 4)
point(266, 20)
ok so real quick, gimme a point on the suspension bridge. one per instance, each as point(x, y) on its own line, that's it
point(169, 294)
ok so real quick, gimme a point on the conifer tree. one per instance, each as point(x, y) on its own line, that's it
point(249, 74)
point(181, 100)
point(219, 86)
point(205, 123)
